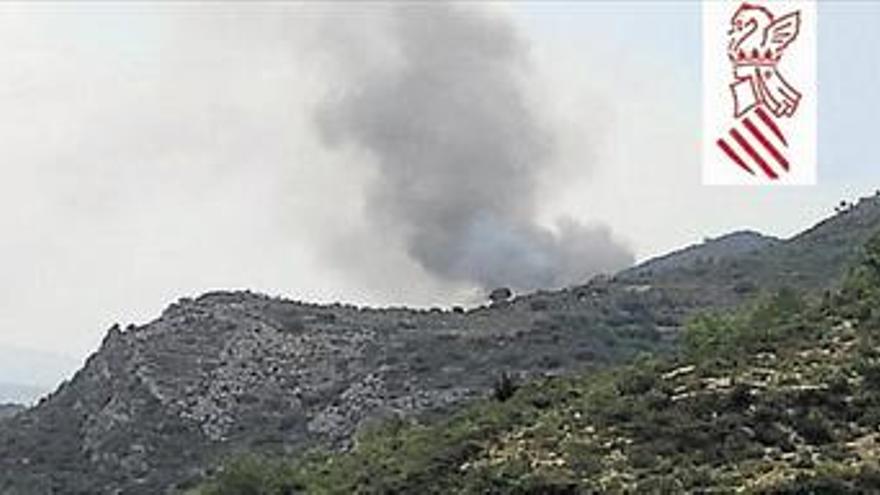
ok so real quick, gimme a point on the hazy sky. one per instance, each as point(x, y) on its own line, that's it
point(155, 151)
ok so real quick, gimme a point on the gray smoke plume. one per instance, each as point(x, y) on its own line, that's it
point(459, 151)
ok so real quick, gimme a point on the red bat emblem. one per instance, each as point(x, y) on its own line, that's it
point(757, 43)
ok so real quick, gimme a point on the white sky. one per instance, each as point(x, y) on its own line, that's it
point(154, 151)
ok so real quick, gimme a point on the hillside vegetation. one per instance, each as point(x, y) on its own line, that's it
point(782, 396)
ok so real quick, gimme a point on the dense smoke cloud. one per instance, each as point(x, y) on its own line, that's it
point(459, 149)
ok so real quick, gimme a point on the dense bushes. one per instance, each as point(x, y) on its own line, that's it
point(760, 326)
point(253, 475)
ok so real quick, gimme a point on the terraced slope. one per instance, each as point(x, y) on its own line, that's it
point(782, 396)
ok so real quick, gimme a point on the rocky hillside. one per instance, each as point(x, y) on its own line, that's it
point(782, 396)
point(226, 372)
point(159, 405)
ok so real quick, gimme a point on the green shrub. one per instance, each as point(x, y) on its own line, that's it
point(504, 387)
point(762, 325)
point(813, 427)
point(252, 475)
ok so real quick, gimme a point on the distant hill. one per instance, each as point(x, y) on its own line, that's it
point(10, 410)
point(160, 405)
point(780, 397)
point(21, 394)
point(812, 260)
point(727, 246)
point(28, 374)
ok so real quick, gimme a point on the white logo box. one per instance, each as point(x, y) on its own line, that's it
point(752, 149)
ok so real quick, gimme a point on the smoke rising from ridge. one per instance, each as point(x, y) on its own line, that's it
point(459, 150)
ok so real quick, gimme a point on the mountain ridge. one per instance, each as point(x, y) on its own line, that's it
point(160, 405)
point(725, 246)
